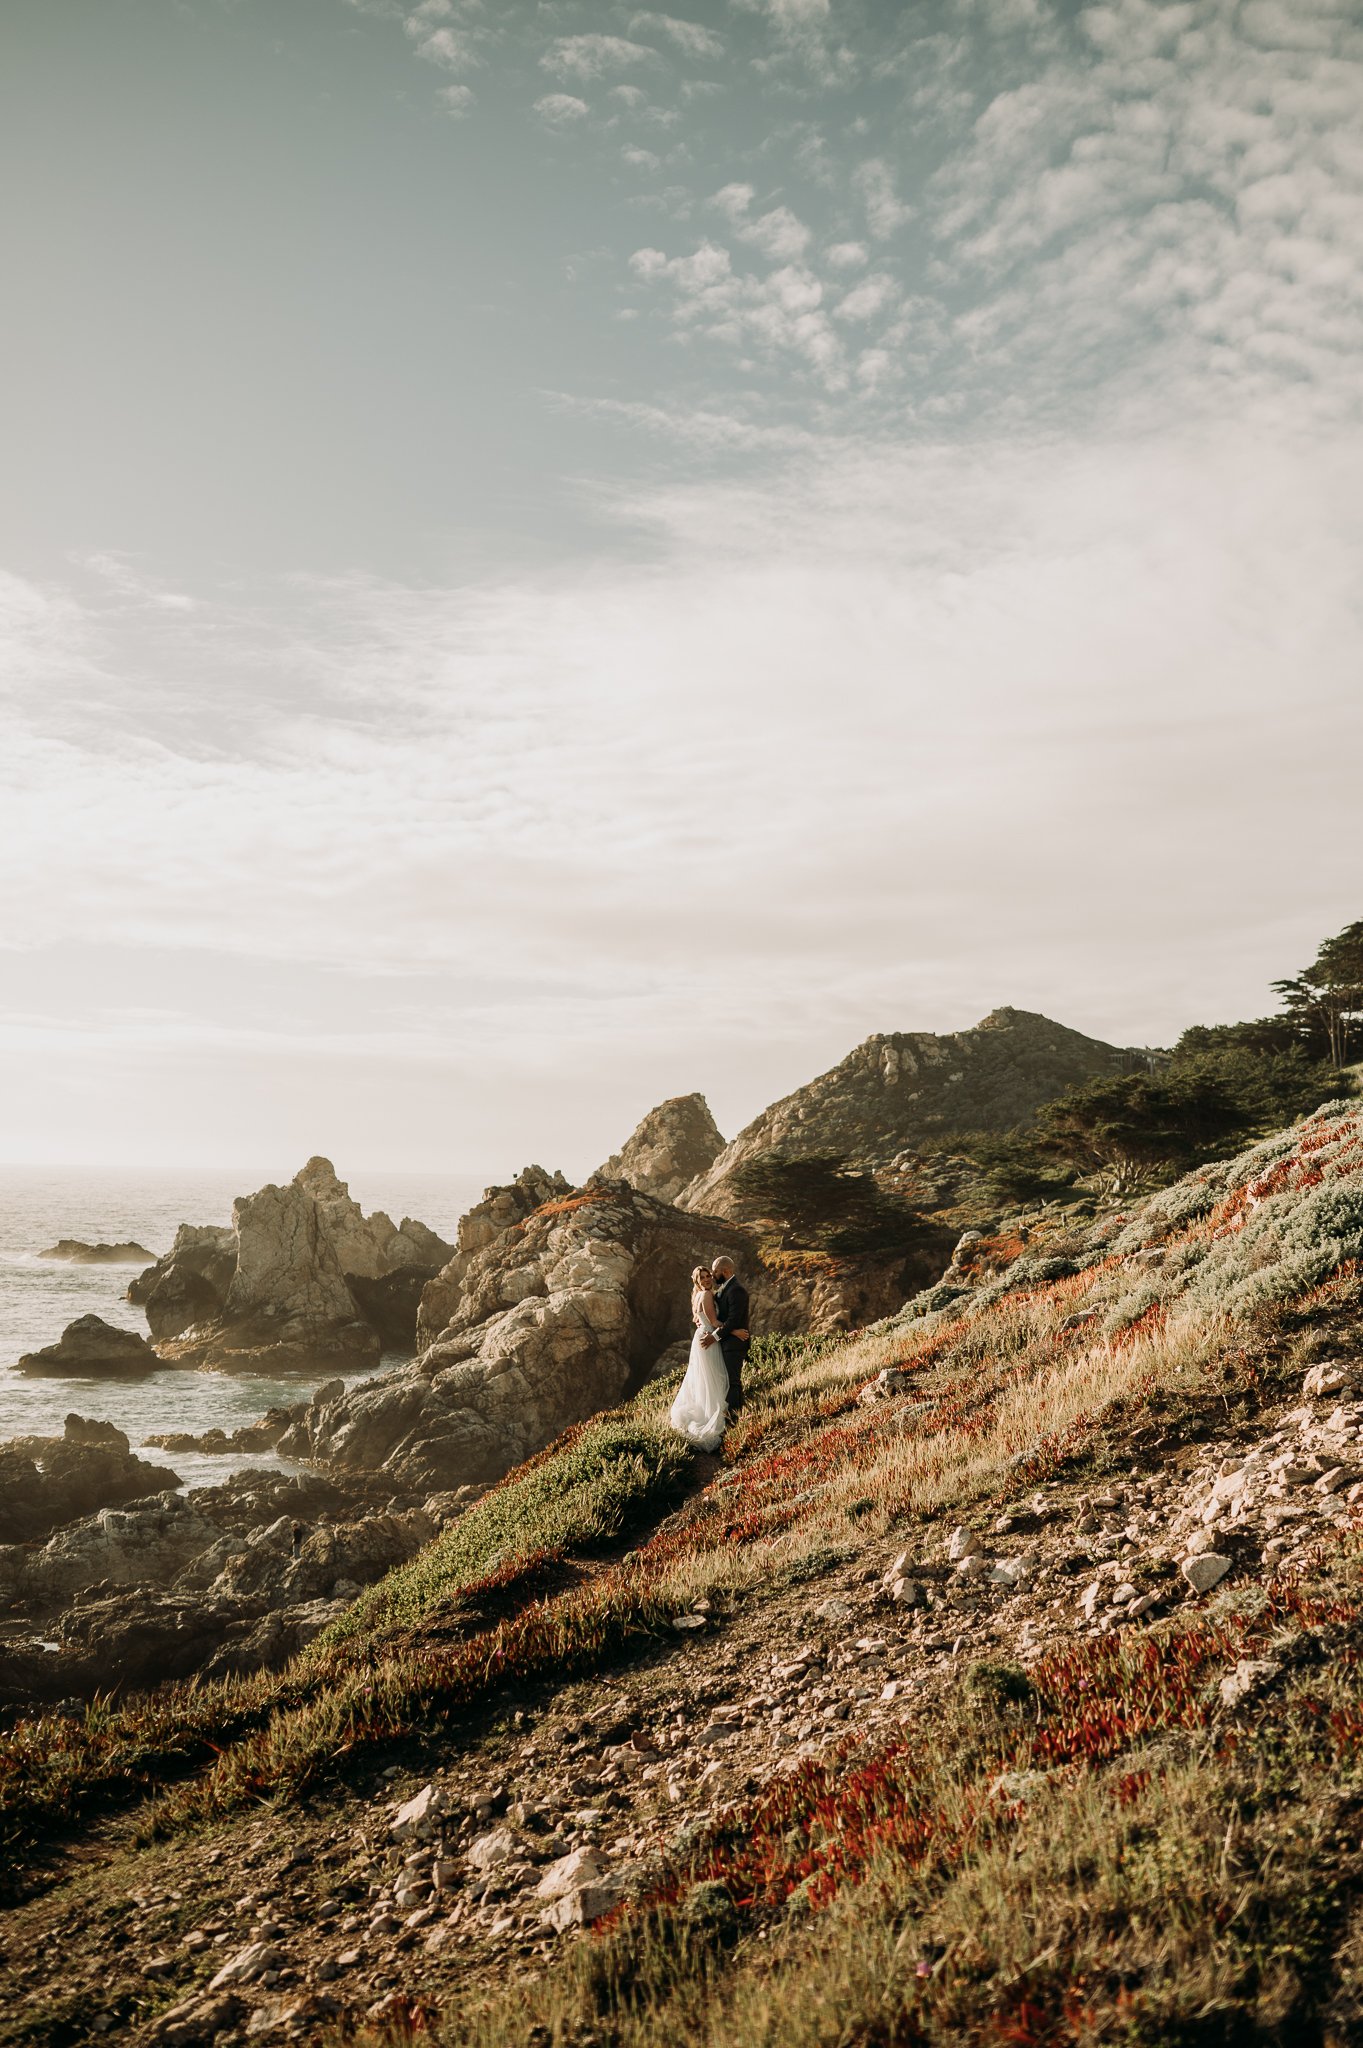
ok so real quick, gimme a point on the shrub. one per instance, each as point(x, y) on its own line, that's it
point(824, 1204)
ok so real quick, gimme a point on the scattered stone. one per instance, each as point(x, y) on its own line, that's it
point(420, 1816)
point(500, 1845)
point(834, 1612)
point(581, 1867)
point(194, 2022)
point(581, 1906)
point(247, 1965)
point(885, 1386)
point(1206, 1571)
point(1251, 1675)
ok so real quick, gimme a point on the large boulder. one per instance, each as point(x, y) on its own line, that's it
point(76, 1252)
point(121, 1637)
point(559, 1316)
point(675, 1143)
point(902, 1089)
point(92, 1349)
point(46, 1481)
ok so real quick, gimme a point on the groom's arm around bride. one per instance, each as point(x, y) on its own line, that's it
point(731, 1301)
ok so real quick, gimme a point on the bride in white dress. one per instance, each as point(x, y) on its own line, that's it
point(700, 1409)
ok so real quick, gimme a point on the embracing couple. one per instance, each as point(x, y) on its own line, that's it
point(712, 1392)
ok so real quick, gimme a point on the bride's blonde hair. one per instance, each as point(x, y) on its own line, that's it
point(701, 1276)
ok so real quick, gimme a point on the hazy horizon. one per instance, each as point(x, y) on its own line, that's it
point(556, 555)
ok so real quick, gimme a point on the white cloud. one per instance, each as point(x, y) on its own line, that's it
point(886, 213)
point(586, 57)
point(451, 49)
point(118, 575)
point(781, 314)
point(687, 36)
point(734, 200)
point(799, 14)
point(1129, 649)
point(848, 255)
point(706, 267)
point(458, 98)
point(873, 295)
point(641, 159)
point(778, 235)
point(559, 108)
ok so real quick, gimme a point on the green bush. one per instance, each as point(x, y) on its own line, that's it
point(824, 1203)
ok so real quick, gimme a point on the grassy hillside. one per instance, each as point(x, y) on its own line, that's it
point(1045, 1791)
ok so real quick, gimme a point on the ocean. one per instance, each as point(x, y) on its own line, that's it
point(39, 1297)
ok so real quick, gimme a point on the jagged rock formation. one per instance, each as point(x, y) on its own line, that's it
point(901, 1088)
point(90, 1348)
point(368, 1247)
point(48, 1480)
point(551, 1321)
point(501, 1209)
point(674, 1145)
point(300, 1278)
point(287, 1306)
point(76, 1252)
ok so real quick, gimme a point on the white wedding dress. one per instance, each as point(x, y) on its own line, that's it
point(700, 1409)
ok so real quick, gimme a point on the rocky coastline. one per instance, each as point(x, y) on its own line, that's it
point(553, 1304)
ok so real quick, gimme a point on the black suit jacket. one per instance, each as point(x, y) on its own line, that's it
point(731, 1300)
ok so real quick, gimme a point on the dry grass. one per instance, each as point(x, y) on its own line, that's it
point(1157, 1881)
point(1102, 1859)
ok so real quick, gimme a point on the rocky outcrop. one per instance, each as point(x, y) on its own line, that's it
point(300, 1279)
point(557, 1317)
point(251, 1438)
point(369, 1247)
point(287, 1306)
point(228, 1580)
point(501, 1209)
point(674, 1145)
point(92, 1349)
point(149, 1541)
point(77, 1252)
point(901, 1089)
point(46, 1481)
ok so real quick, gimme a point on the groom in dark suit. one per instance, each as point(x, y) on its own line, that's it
point(732, 1336)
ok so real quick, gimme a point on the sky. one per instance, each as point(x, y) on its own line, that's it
point(553, 555)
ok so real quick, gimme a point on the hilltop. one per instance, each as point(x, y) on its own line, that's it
point(900, 1090)
point(1001, 1680)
